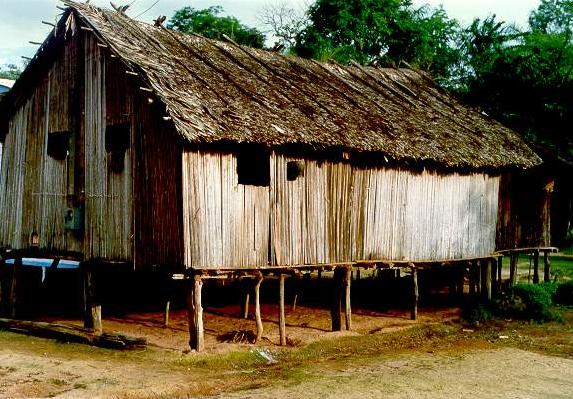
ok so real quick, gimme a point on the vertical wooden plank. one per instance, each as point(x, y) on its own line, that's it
point(282, 321)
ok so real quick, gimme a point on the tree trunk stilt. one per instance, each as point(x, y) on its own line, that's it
point(536, 267)
point(347, 305)
point(247, 299)
point(486, 292)
point(92, 304)
point(258, 317)
point(499, 273)
point(195, 314)
point(336, 300)
point(166, 314)
point(282, 321)
point(12, 301)
point(514, 259)
point(415, 296)
point(546, 267)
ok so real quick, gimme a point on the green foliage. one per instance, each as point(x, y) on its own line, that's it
point(564, 293)
point(527, 302)
point(10, 71)
point(209, 23)
point(387, 31)
point(476, 312)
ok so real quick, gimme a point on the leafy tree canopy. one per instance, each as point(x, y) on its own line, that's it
point(210, 23)
point(9, 71)
point(386, 31)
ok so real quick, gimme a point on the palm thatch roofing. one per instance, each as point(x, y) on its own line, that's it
point(220, 92)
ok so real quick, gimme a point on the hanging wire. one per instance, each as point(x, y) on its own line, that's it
point(149, 8)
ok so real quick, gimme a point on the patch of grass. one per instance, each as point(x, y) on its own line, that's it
point(527, 302)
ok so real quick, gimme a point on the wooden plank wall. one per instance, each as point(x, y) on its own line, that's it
point(108, 194)
point(336, 212)
point(36, 186)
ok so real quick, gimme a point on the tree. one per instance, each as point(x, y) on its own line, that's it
point(209, 23)
point(10, 71)
point(383, 31)
point(285, 23)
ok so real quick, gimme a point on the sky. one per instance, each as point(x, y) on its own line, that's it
point(20, 20)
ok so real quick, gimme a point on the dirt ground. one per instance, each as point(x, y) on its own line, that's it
point(386, 355)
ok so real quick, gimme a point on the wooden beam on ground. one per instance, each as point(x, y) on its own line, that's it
point(546, 267)
point(282, 321)
point(258, 317)
point(536, 267)
point(336, 300)
point(70, 333)
point(195, 314)
point(415, 296)
point(347, 305)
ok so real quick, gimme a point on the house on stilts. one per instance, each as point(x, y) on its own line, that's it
point(127, 142)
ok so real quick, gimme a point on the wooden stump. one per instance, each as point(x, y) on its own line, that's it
point(347, 307)
point(536, 267)
point(546, 267)
point(282, 321)
point(258, 318)
point(195, 314)
point(336, 299)
point(415, 296)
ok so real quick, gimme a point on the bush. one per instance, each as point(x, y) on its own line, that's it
point(475, 312)
point(528, 302)
point(564, 293)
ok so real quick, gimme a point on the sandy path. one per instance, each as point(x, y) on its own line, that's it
point(503, 373)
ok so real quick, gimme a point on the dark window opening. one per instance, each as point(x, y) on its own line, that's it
point(295, 169)
point(116, 144)
point(254, 166)
point(58, 145)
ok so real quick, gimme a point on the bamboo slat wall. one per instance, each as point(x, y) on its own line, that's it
point(108, 194)
point(336, 212)
point(36, 186)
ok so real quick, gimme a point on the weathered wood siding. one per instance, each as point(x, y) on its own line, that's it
point(336, 212)
point(37, 188)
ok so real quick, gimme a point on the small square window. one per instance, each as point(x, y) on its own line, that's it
point(116, 144)
point(295, 169)
point(254, 165)
point(58, 145)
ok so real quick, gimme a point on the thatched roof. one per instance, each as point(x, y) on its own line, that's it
point(221, 92)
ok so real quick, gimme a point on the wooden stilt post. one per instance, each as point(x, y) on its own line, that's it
point(514, 258)
point(546, 267)
point(415, 296)
point(92, 304)
point(499, 273)
point(195, 313)
point(536, 267)
point(336, 300)
point(486, 291)
point(247, 299)
point(479, 277)
point(493, 270)
point(461, 272)
point(282, 321)
point(13, 287)
point(358, 274)
point(472, 278)
point(166, 314)
point(296, 284)
point(258, 317)
point(347, 305)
